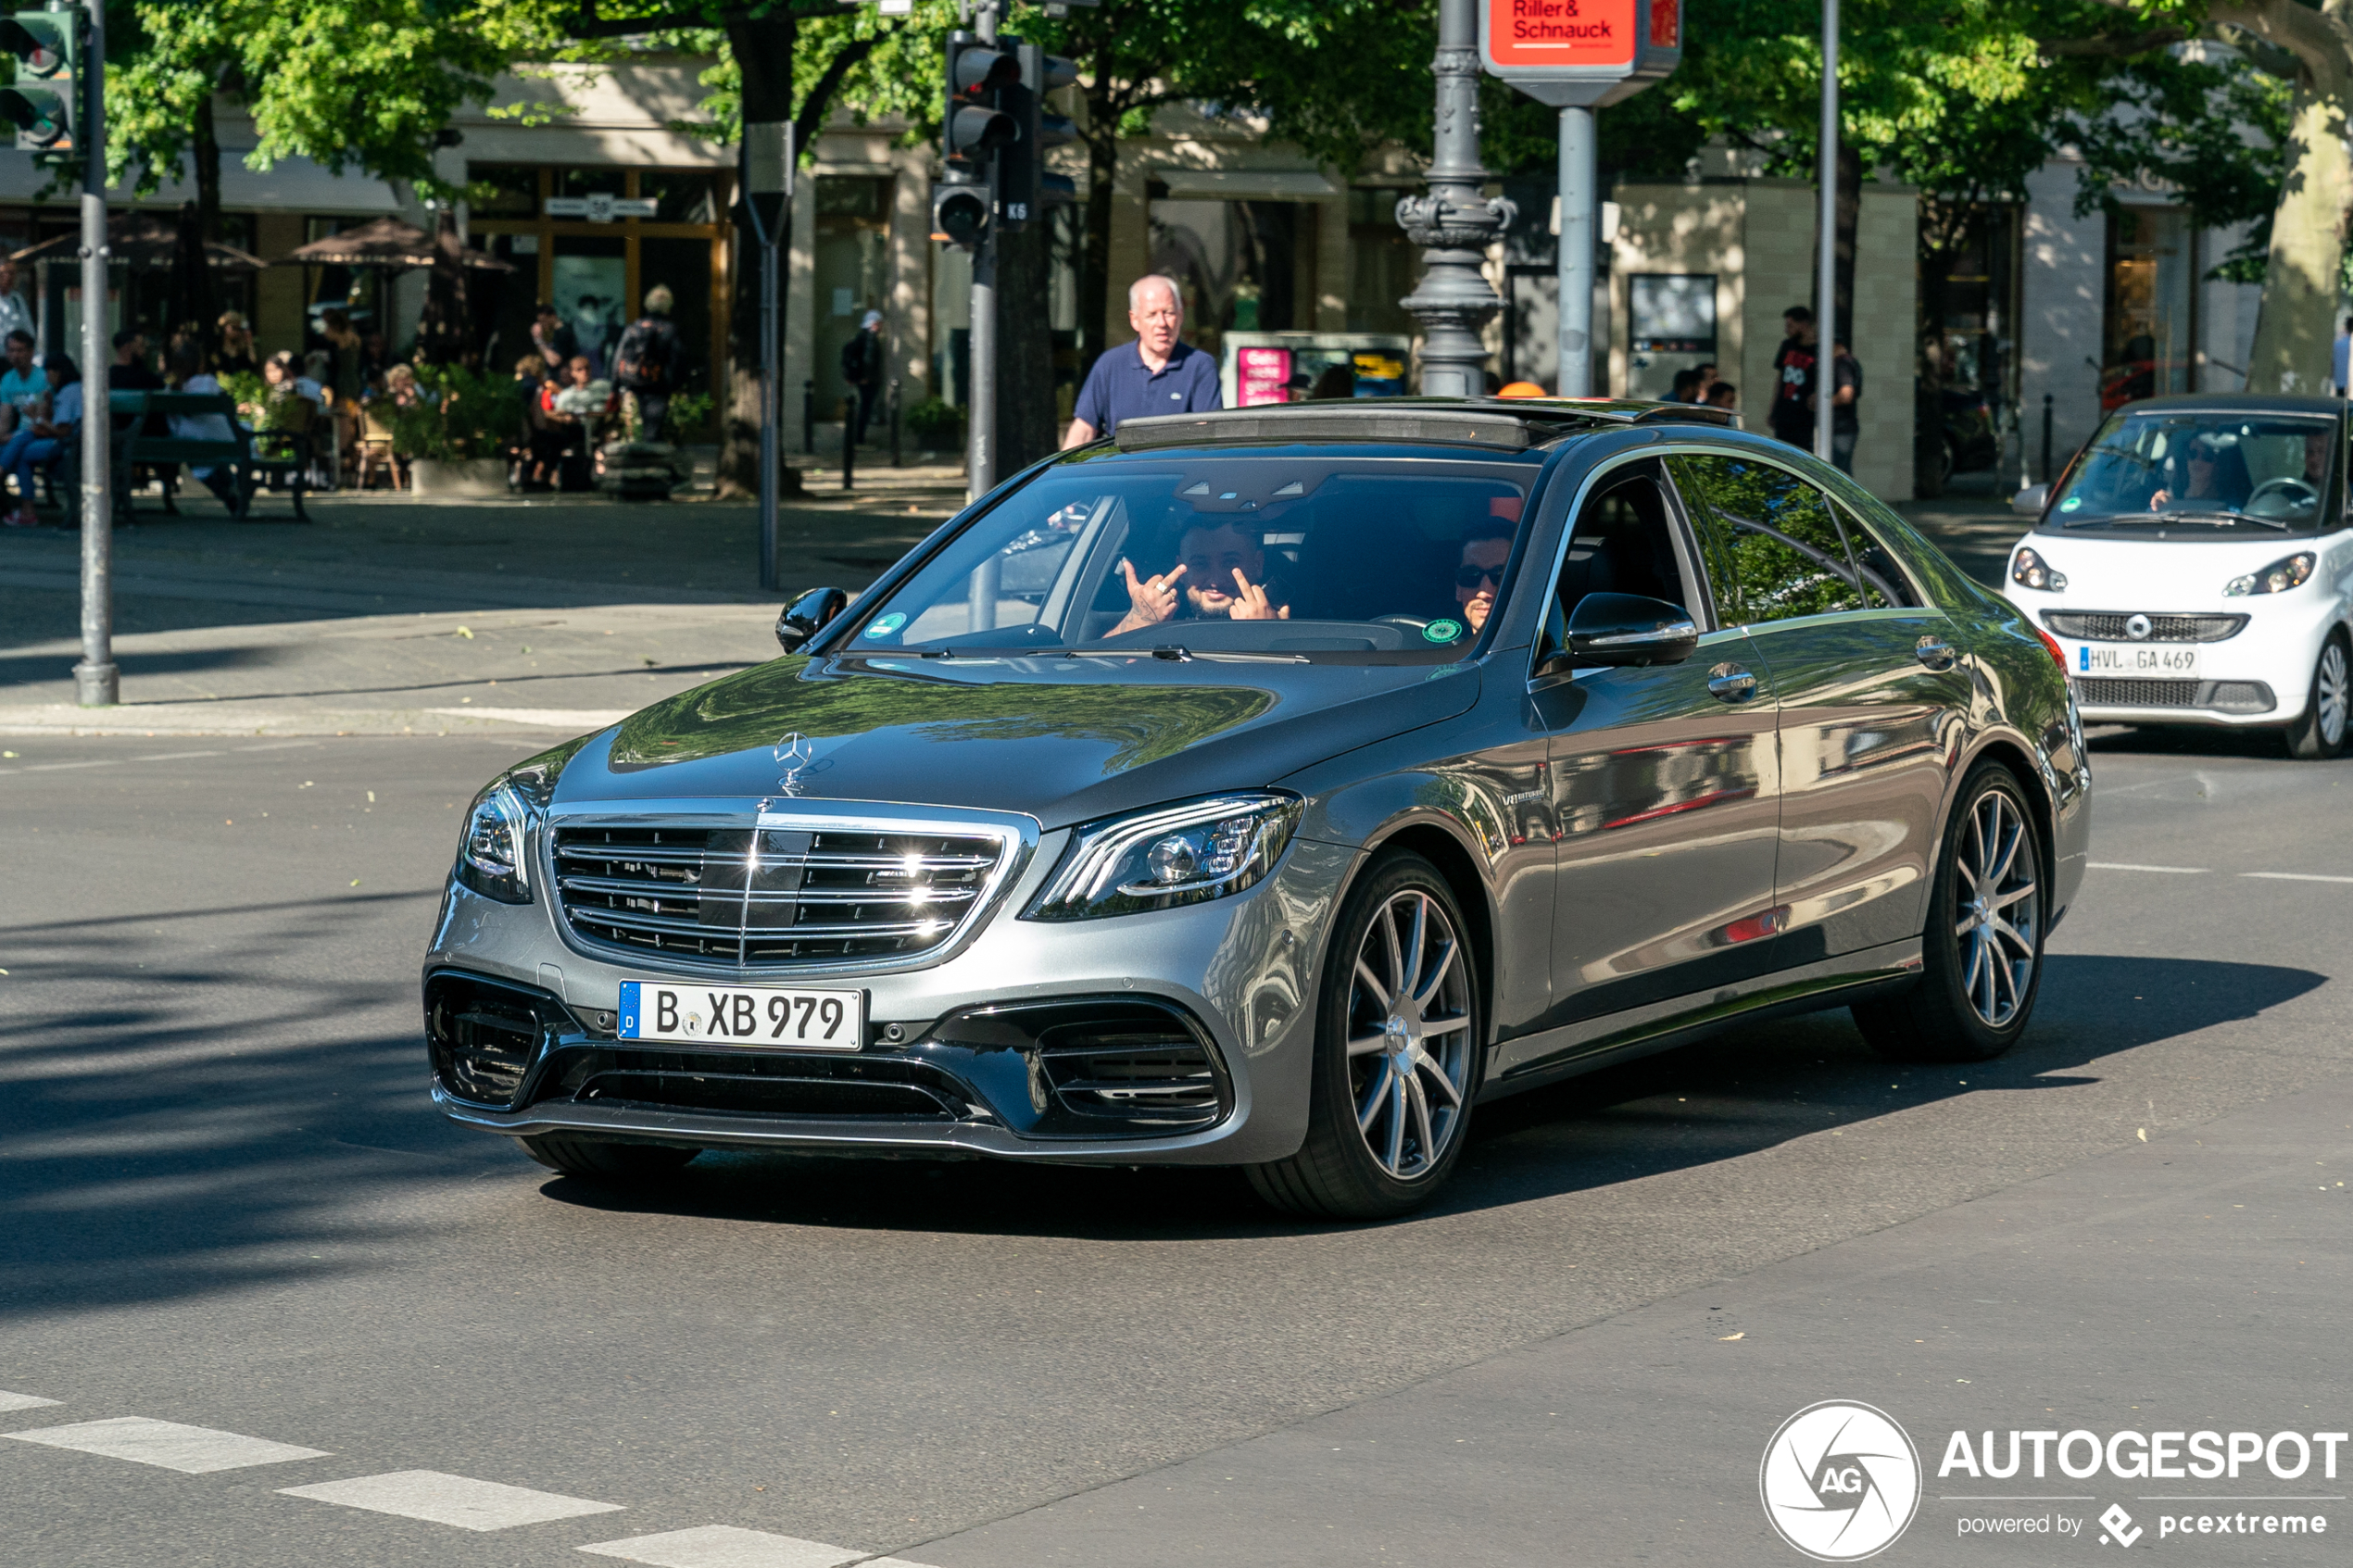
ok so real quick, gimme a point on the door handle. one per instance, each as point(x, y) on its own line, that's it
point(1729, 683)
point(1934, 652)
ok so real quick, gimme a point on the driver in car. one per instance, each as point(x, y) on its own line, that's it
point(1480, 575)
point(2217, 477)
point(1210, 554)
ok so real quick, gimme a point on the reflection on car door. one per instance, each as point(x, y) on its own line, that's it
point(1871, 698)
point(1663, 787)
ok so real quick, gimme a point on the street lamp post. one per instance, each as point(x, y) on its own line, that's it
point(1826, 273)
point(1455, 221)
point(768, 172)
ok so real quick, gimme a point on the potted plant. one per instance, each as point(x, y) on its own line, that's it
point(457, 434)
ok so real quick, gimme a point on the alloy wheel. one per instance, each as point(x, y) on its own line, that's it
point(1409, 1035)
point(2333, 690)
point(2000, 909)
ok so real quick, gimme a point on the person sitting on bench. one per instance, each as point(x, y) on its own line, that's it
point(42, 442)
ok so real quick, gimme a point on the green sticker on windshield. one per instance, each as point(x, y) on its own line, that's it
point(2070, 503)
point(884, 625)
point(1442, 631)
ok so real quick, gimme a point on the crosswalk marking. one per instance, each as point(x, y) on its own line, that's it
point(450, 1499)
point(725, 1546)
point(22, 1401)
point(192, 1450)
point(2294, 876)
point(2122, 866)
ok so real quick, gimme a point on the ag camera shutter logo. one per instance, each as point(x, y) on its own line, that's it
point(1840, 1481)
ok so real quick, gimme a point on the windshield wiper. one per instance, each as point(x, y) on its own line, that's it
point(2217, 516)
point(1175, 653)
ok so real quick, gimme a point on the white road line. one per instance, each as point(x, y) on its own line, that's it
point(450, 1499)
point(279, 745)
point(2294, 876)
point(22, 1401)
point(725, 1546)
point(553, 718)
point(192, 1450)
point(2120, 866)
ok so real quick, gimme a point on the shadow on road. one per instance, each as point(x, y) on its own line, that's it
point(1740, 1092)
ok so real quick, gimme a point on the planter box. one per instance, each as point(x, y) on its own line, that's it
point(475, 479)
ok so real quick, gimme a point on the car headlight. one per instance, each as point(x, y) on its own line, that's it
point(493, 855)
point(2030, 570)
point(1188, 853)
point(2276, 578)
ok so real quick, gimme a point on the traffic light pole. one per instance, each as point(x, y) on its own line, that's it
point(97, 681)
point(769, 159)
point(981, 423)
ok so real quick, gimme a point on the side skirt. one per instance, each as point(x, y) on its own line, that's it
point(1591, 1044)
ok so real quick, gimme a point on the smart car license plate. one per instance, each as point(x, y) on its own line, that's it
point(2172, 662)
point(742, 1015)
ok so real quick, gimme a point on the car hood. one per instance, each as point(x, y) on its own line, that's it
point(2113, 572)
point(1064, 740)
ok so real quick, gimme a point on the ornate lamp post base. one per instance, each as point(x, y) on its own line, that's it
point(1455, 221)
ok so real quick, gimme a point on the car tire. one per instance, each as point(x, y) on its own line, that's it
point(1400, 938)
point(1982, 953)
point(2319, 735)
point(595, 1160)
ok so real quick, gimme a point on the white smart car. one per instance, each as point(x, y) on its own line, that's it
point(2195, 565)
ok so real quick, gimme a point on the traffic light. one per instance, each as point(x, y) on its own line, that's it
point(45, 44)
point(1023, 183)
point(972, 128)
point(959, 213)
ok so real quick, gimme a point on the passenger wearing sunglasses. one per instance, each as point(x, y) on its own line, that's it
point(1481, 576)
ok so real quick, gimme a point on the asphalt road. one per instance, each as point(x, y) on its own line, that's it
point(224, 1203)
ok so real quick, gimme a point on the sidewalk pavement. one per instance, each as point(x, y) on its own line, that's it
point(546, 615)
point(393, 615)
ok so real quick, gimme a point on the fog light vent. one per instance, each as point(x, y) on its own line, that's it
point(2242, 696)
point(482, 1039)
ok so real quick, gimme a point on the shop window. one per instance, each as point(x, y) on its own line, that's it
point(503, 190)
point(594, 181)
point(1383, 265)
point(680, 195)
point(853, 196)
point(2151, 327)
point(1242, 266)
point(853, 266)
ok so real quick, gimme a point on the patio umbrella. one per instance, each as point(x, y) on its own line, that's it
point(144, 243)
point(392, 246)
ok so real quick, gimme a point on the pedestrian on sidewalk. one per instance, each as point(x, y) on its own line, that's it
point(863, 358)
point(555, 342)
point(237, 355)
point(645, 363)
point(1724, 395)
point(1158, 374)
point(24, 389)
point(39, 442)
point(1846, 418)
point(1794, 364)
point(14, 315)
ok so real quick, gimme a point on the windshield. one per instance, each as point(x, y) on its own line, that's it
point(1294, 554)
point(2198, 471)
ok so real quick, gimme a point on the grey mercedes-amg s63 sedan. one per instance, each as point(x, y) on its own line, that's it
point(1270, 788)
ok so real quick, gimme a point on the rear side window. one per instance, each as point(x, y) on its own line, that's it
point(1882, 580)
point(1773, 544)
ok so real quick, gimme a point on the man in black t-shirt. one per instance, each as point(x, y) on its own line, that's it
point(1794, 366)
point(1846, 393)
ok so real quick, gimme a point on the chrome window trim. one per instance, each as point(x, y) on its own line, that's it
point(1017, 835)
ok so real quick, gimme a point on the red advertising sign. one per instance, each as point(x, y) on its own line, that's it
point(1561, 32)
point(1667, 24)
point(1262, 375)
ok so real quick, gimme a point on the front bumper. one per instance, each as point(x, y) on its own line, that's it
point(2258, 678)
point(960, 1059)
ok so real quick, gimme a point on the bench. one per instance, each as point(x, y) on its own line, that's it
point(270, 457)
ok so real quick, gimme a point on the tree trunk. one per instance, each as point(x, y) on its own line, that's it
point(1849, 213)
point(2293, 326)
point(1024, 349)
point(1094, 252)
point(762, 47)
point(198, 303)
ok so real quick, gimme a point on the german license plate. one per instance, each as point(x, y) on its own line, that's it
point(2169, 661)
point(742, 1015)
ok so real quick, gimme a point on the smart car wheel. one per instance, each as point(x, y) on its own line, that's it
point(595, 1159)
point(2320, 734)
point(1396, 1053)
point(1982, 951)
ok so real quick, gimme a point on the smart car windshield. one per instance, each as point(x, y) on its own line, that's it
point(2197, 472)
point(1296, 554)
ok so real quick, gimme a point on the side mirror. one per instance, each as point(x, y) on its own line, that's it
point(2030, 501)
point(1623, 629)
point(809, 615)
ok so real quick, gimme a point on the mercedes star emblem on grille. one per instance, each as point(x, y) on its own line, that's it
point(2137, 628)
point(795, 752)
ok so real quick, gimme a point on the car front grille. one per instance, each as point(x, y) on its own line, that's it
point(769, 895)
point(2109, 626)
point(2096, 692)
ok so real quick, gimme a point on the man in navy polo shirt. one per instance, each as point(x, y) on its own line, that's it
point(1155, 374)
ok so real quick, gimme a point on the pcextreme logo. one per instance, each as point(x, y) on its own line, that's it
point(1841, 1481)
